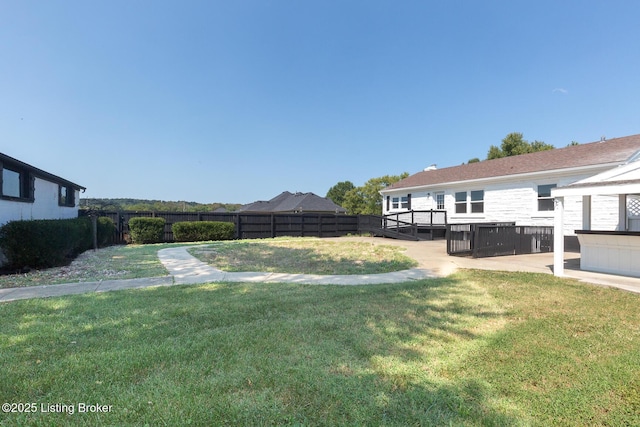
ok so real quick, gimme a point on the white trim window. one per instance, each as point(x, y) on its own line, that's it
point(395, 202)
point(461, 202)
point(439, 196)
point(545, 201)
point(405, 202)
point(401, 202)
point(472, 204)
point(477, 201)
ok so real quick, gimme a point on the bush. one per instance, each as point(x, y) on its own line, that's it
point(146, 230)
point(44, 243)
point(106, 231)
point(198, 231)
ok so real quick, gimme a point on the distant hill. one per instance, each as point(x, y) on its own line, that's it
point(141, 205)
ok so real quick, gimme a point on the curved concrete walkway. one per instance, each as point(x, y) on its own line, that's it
point(185, 269)
point(431, 256)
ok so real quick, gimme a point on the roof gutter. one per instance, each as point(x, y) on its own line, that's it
point(10, 161)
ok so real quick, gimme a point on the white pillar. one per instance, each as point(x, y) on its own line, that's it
point(586, 212)
point(622, 212)
point(558, 237)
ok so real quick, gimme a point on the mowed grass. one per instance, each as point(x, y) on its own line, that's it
point(306, 256)
point(298, 255)
point(477, 348)
point(111, 263)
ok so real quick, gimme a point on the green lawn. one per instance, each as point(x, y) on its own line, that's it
point(110, 263)
point(477, 348)
point(305, 256)
point(283, 255)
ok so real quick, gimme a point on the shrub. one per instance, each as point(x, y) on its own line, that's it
point(198, 231)
point(106, 231)
point(44, 243)
point(146, 230)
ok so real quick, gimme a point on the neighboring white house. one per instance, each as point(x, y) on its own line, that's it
point(516, 189)
point(27, 193)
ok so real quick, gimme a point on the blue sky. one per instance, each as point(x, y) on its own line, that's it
point(236, 101)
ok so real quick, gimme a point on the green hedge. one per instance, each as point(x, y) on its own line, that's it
point(50, 243)
point(106, 231)
point(146, 230)
point(199, 231)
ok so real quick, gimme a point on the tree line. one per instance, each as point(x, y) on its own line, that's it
point(142, 205)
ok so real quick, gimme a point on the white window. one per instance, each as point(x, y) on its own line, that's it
point(461, 202)
point(395, 202)
point(404, 202)
point(440, 201)
point(473, 204)
point(545, 201)
point(401, 202)
point(477, 201)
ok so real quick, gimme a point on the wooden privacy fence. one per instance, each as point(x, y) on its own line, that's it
point(249, 225)
point(413, 224)
point(486, 240)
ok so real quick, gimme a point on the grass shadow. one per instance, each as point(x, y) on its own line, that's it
point(253, 353)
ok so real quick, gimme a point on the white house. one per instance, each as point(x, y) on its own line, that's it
point(516, 189)
point(27, 193)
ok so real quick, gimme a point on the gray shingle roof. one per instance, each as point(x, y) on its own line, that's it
point(294, 202)
point(613, 151)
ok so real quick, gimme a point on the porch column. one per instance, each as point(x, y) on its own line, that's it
point(622, 212)
point(586, 212)
point(558, 237)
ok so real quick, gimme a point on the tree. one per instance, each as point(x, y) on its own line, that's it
point(338, 192)
point(366, 200)
point(514, 144)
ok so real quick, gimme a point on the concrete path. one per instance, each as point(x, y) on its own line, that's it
point(431, 256)
point(185, 269)
point(44, 291)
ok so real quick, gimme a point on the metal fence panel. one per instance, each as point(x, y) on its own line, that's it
point(486, 240)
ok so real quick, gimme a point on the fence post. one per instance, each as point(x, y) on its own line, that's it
point(119, 228)
point(474, 239)
point(273, 226)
